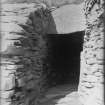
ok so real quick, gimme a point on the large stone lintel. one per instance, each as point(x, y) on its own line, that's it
point(69, 18)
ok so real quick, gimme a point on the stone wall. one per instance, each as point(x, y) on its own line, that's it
point(23, 53)
point(49, 3)
point(24, 49)
point(91, 85)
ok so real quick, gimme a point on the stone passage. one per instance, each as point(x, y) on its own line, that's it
point(29, 54)
point(25, 66)
point(64, 58)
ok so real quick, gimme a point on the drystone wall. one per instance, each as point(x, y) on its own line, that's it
point(23, 53)
point(24, 50)
point(24, 64)
point(91, 85)
point(49, 3)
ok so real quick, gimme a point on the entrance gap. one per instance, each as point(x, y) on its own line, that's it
point(64, 58)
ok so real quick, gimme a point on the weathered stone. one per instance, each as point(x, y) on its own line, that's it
point(91, 69)
point(97, 95)
point(98, 74)
point(18, 46)
point(16, 22)
point(99, 54)
point(88, 84)
point(92, 57)
point(90, 78)
point(92, 61)
point(62, 19)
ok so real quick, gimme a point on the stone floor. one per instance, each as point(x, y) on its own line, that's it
point(61, 95)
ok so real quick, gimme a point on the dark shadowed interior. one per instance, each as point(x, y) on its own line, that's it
point(64, 58)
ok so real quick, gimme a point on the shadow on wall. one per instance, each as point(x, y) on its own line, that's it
point(28, 54)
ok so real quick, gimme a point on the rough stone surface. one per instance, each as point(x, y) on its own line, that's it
point(23, 51)
point(24, 28)
point(49, 3)
point(23, 31)
point(63, 19)
point(91, 85)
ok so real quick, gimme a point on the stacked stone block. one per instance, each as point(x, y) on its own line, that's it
point(91, 85)
point(24, 28)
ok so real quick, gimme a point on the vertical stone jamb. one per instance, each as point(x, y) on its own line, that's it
point(91, 85)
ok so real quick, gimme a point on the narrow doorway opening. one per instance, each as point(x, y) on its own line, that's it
point(64, 58)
